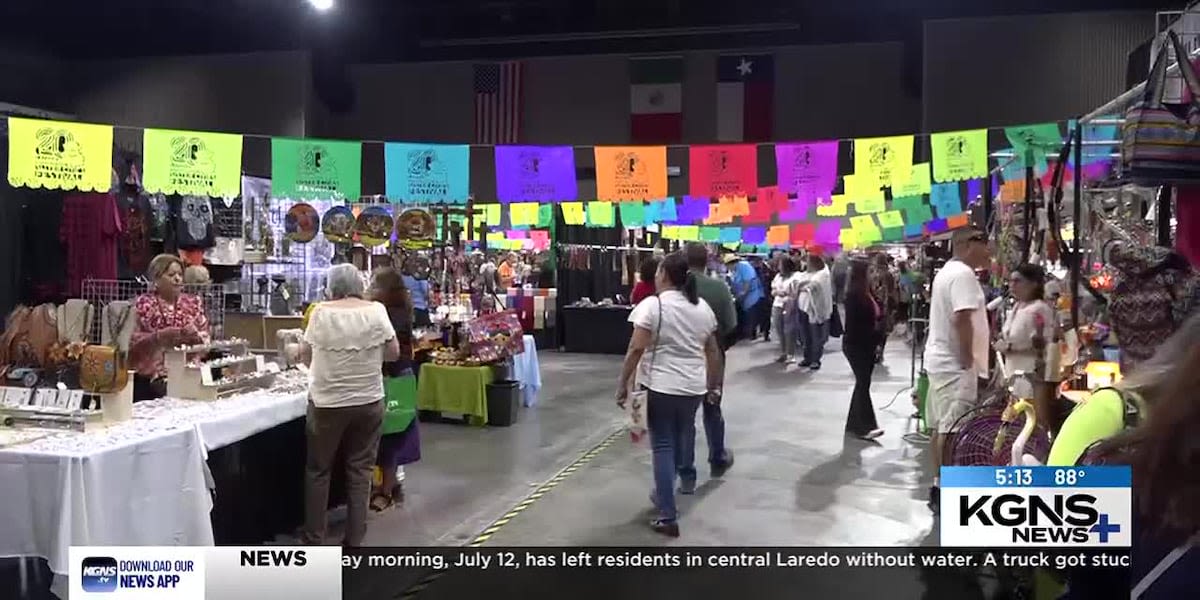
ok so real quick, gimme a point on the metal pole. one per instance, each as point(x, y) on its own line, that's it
point(1076, 258)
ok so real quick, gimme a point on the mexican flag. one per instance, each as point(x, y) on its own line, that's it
point(656, 100)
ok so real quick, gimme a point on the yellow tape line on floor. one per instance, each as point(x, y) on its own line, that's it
point(517, 509)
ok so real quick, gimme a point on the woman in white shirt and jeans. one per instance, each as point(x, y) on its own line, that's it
point(783, 308)
point(1029, 336)
point(346, 341)
point(678, 361)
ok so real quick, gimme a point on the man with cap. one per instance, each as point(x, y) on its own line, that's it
point(747, 290)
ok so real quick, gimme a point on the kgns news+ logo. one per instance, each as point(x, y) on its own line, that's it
point(1074, 507)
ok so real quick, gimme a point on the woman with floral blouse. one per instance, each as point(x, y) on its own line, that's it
point(166, 317)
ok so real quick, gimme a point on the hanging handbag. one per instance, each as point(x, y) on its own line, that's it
point(1158, 145)
point(102, 369)
point(400, 398)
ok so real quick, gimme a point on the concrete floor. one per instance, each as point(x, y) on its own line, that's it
point(798, 480)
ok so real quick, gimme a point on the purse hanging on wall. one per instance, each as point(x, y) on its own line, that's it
point(75, 319)
point(1159, 145)
point(103, 368)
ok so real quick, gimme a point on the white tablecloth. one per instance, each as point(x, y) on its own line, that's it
point(528, 372)
point(141, 482)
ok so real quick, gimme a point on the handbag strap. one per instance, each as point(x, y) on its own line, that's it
point(654, 348)
point(1155, 84)
point(1163, 565)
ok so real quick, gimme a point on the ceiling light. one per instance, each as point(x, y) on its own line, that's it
point(321, 4)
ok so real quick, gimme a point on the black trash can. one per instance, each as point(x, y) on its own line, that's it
point(503, 400)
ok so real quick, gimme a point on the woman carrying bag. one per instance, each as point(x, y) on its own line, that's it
point(400, 443)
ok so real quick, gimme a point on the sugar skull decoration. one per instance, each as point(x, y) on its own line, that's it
point(374, 226)
point(301, 223)
point(338, 225)
point(196, 213)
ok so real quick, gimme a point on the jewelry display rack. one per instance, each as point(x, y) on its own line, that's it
point(191, 375)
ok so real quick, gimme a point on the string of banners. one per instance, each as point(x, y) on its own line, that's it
point(887, 197)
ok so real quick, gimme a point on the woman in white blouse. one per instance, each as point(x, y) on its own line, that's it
point(783, 308)
point(346, 341)
point(1029, 338)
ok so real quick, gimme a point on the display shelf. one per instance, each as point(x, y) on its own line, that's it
point(194, 373)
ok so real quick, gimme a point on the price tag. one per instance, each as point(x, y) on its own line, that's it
point(46, 397)
point(258, 363)
point(283, 291)
point(206, 376)
point(76, 401)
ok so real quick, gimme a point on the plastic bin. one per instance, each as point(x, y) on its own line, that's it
point(503, 400)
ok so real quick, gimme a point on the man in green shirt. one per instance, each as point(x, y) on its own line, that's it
point(716, 294)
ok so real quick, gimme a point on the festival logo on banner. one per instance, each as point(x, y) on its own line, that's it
point(807, 169)
point(318, 170)
point(192, 164)
point(63, 156)
point(535, 173)
point(427, 174)
point(631, 173)
point(723, 170)
point(959, 155)
point(887, 160)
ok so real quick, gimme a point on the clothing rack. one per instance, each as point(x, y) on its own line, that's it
point(571, 246)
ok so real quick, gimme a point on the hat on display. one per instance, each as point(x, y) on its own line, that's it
point(300, 223)
point(338, 225)
point(374, 226)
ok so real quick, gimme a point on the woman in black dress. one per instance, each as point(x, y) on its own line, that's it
point(859, 343)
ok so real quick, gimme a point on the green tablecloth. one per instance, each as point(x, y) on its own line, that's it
point(460, 390)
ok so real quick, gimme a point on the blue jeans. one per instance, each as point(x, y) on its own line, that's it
point(672, 423)
point(815, 335)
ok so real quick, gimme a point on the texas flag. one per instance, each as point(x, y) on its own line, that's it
point(746, 98)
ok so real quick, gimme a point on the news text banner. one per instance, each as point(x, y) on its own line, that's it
point(761, 572)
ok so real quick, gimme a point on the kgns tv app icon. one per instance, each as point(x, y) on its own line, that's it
point(99, 574)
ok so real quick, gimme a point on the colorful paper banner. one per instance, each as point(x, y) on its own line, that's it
point(428, 172)
point(661, 211)
point(305, 169)
point(893, 234)
point(572, 213)
point(778, 235)
point(492, 215)
point(887, 160)
point(807, 169)
point(724, 170)
point(918, 183)
point(689, 233)
point(916, 212)
point(545, 215)
point(540, 239)
point(633, 214)
point(710, 234)
point(959, 155)
point(849, 238)
point(523, 213)
point(803, 233)
point(828, 231)
point(754, 235)
point(945, 199)
point(536, 173)
point(837, 207)
point(694, 210)
point(631, 172)
point(192, 163)
point(720, 213)
point(59, 155)
point(730, 235)
point(600, 214)
point(891, 219)
point(1032, 142)
point(797, 210)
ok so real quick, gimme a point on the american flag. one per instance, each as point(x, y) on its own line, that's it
point(498, 103)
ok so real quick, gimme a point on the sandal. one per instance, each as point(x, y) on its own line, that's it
point(381, 502)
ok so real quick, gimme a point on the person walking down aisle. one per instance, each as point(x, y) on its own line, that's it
point(683, 369)
point(858, 344)
point(766, 274)
point(644, 288)
point(400, 442)
point(747, 289)
point(783, 308)
point(956, 353)
point(716, 294)
point(818, 309)
point(883, 289)
point(346, 341)
point(419, 291)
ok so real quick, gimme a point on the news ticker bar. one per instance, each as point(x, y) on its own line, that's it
point(327, 572)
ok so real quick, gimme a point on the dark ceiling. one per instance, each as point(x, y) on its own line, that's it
point(384, 30)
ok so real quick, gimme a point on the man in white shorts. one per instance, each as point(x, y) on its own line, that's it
point(956, 353)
